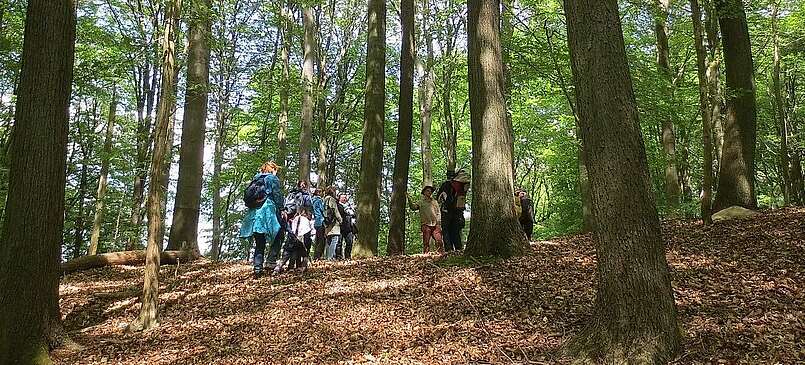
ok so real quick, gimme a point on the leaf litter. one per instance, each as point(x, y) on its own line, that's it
point(738, 288)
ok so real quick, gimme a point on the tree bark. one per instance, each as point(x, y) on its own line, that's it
point(187, 206)
point(80, 223)
point(797, 181)
point(450, 128)
point(309, 55)
point(634, 317)
point(672, 187)
point(426, 90)
point(124, 258)
point(402, 156)
point(34, 219)
point(104, 175)
point(736, 176)
point(714, 84)
point(148, 317)
point(371, 171)
point(779, 109)
point(282, 131)
point(218, 161)
point(145, 106)
point(494, 228)
point(704, 109)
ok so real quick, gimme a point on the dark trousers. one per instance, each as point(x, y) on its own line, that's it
point(344, 248)
point(318, 251)
point(294, 250)
point(276, 246)
point(259, 251)
point(453, 224)
point(528, 228)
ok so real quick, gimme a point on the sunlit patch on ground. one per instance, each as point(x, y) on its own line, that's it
point(738, 288)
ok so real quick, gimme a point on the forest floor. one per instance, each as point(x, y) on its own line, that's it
point(739, 291)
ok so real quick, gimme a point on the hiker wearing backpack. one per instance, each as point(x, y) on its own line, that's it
point(265, 218)
point(318, 222)
point(332, 222)
point(526, 216)
point(299, 241)
point(430, 219)
point(452, 196)
point(344, 248)
point(297, 201)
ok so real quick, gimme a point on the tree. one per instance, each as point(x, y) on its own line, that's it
point(103, 179)
point(426, 90)
point(704, 110)
point(494, 228)
point(634, 317)
point(282, 131)
point(736, 175)
point(184, 228)
point(34, 219)
point(148, 317)
point(402, 157)
point(374, 117)
point(672, 187)
point(307, 100)
point(779, 107)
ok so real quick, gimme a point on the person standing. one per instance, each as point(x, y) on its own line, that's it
point(430, 219)
point(297, 201)
point(318, 222)
point(527, 214)
point(453, 200)
point(265, 218)
point(299, 241)
point(332, 222)
point(344, 249)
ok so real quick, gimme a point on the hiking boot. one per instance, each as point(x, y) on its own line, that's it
point(257, 274)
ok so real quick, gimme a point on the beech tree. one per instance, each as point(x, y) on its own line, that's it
point(494, 229)
point(184, 228)
point(103, 178)
point(371, 171)
point(34, 219)
point(148, 317)
point(704, 111)
point(402, 157)
point(308, 102)
point(672, 186)
point(736, 174)
point(634, 316)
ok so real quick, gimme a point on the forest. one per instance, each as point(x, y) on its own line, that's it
point(632, 179)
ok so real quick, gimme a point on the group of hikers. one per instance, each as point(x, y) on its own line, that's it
point(323, 220)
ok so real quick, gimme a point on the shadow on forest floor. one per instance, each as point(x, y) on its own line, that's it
point(738, 290)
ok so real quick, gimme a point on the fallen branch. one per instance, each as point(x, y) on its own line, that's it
point(124, 258)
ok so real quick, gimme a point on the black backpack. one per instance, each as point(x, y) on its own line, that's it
point(255, 194)
point(346, 220)
point(450, 200)
point(296, 200)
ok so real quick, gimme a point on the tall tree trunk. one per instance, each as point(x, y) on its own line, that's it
point(672, 187)
point(282, 131)
point(34, 219)
point(450, 128)
point(704, 109)
point(104, 175)
point(374, 118)
point(148, 317)
point(494, 229)
point(426, 90)
point(736, 176)
point(187, 206)
point(80, 223)
point(634, 318)
point(714, 83)
point(402, 156)
point(218, 161)
point(779, 108)
point(307, 100)
point(145, 106)
point(797, 181)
